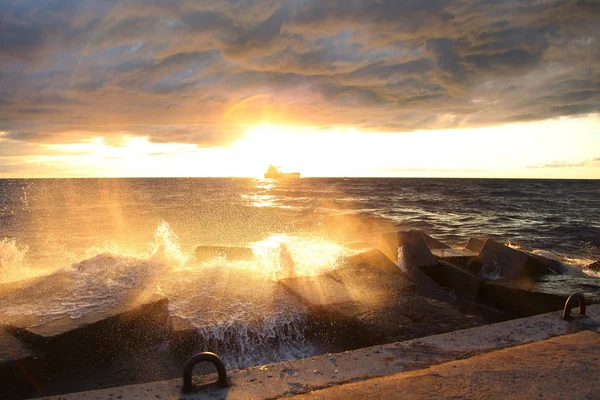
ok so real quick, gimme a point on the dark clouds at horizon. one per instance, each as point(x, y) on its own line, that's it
point(197, 72)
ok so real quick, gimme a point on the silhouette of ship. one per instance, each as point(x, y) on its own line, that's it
point(274, 173)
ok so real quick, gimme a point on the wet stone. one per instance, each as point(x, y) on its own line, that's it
point(475, 245)
point(497, 260)
point(372, 286)
point(387, 308)
point(566, 285)
point(368, 306)
point(545, 266)
point(427, 287)
point(520, 297)
point(415, 251)
point(374, 258)
point(318, 291)
point(184, 338)
point(460, 282)
point(132, 318)
point(12, 350)
point(456, 257)
point(15, 358)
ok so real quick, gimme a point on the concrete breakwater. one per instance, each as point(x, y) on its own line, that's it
point(539, 356)
point(407, 286)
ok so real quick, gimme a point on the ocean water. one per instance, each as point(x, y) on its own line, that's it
point(111, 235)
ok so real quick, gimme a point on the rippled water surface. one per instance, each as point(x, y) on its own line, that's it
point(62, 221)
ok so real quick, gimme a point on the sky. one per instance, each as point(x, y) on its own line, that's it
point(423, 88)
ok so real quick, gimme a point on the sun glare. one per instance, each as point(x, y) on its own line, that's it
point(501, 151)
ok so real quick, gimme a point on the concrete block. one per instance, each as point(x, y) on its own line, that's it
point(386, 309)
point(204, 253)
point(416, 252)
point(461, 283)
point(141, 319)
point(501, 260)
point(389, 280)
point(374, 258)
point(18, 362)
point(566, 285)
point(339, 328)
point(333, 307)
point(134, 317)
point(475, 245)
point(427, 287)
point(519, 297)
point(318, 291)
point(541, 265)
point(183, 337)
point(457, 257)
point(369, 285)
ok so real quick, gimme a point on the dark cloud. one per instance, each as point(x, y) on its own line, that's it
point(20, 41)
point(199, 72)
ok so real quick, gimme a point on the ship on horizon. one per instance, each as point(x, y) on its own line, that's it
point(273, 172)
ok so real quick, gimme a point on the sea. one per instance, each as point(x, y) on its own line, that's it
point(112, 235)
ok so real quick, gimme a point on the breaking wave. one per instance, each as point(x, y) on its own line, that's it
point(237, 307)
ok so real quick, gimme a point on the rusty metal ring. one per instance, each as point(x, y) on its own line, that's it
point(188, 385)
point(579, 297)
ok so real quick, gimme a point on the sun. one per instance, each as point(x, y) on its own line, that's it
point(266, 144)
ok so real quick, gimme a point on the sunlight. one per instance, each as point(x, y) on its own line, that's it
point(514, 150)
point(310, 256)
point(267, 144)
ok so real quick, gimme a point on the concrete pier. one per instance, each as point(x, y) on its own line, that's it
point(460, 358)
point(551, 369)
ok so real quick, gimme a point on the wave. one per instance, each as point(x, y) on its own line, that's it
point(235, 319)
point(13, 262)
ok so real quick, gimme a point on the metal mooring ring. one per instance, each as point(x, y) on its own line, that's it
point(579, 297)
point(188, 385)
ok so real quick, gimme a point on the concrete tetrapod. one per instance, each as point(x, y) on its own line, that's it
point(497, 260)
point(133, 318)
point(409, 250)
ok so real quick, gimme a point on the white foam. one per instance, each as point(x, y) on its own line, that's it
point(491, 272)
point(13, 261)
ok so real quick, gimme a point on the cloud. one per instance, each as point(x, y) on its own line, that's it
point(184, 71)
point(594, 162)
